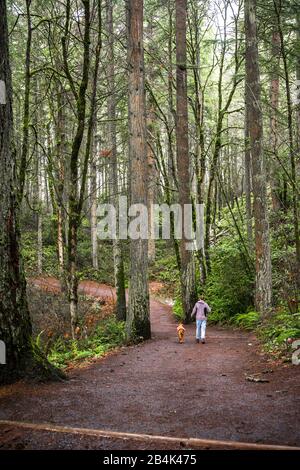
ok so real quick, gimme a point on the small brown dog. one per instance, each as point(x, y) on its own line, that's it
point(180, 332)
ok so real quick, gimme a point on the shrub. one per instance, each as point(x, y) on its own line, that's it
point(107, 335)
point(279, 327)
point(247, 321)
point(164, 268)
point(178, 310)
point(217, 317)
point(229, 288)
point(29, 252)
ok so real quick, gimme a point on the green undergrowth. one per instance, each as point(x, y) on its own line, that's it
point(273, 331)
point(246, 321)
point(178, 310)
point(106, 336)
point(29, 244)
point(164, 269)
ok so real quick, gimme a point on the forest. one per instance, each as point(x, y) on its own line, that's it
point(149, 158)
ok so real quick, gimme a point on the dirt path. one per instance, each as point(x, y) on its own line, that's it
point(162, 387)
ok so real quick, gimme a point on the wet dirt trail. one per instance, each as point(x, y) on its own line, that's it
point(160, 387)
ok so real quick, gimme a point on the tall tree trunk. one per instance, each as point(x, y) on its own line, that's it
point(39, 214)
point(93, 197)
point(274, 102)
point(170, 176)
point(212, 176)
point(62, 177)
point(247, 162)
point(115, 184)
point(170, 120)
point(26, 112)
point(188, 283)
point(198, 107)
point(150, 103)
point(292, 150)
point(138, 319)
point(22, 359)
point(151, 178)
point(38, 189)
point(151, 219)
point(60, 241)
point(298, 80)
point(75, 203)
point(263, 294)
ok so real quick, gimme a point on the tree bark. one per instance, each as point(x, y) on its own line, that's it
point(150, 155)
point(292, 149)
point(93, 198)
point(38, 190)
point(247, 162)
point(61, 177)
point(138, 318)
point(298, 81)
point(74, 201)
point(39, 215)
point(188, 283)
point(263, 294)
point(112, 137)
point(26, 114)
point(274, 102)
point(198, 107)
point(152, 181)
point(170, 176)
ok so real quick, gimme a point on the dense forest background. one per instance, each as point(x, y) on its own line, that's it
point(218, 102)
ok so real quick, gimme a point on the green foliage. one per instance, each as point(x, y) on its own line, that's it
point(105, 273)
point(217, 316)
point(29, 252)
point(50, 262)
point(49, 230)
point(107, 335)
point(229, 289)
point(38, 340)
point(50, 265)
point(246, 321)
point(84, 255)
point(178, 310)
point(165, 267)
point(278, 328)
point(284, 265)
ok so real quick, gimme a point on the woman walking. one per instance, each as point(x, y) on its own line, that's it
point(201, 309)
